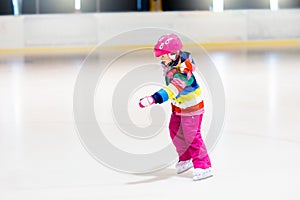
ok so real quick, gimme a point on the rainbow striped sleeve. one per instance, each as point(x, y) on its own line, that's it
point(178, 84)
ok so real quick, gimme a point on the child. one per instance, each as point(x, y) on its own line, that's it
point(187, 106)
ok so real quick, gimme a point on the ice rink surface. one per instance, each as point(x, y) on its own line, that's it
point(257, 157)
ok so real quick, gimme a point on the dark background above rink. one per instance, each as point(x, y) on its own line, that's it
point(67, 6)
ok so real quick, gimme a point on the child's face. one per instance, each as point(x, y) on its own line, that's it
point(165, 59)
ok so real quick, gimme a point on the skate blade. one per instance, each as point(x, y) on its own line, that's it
point(199, 179)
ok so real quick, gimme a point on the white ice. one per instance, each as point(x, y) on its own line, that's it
point(257, 157)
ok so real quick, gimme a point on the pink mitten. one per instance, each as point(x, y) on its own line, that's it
point(146, 101)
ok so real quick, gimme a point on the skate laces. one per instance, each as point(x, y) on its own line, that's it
point(182, 163)
point(201, 172)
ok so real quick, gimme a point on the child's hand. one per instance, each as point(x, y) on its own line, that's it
point(146, 101)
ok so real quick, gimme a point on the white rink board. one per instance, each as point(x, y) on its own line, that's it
point(69, 30)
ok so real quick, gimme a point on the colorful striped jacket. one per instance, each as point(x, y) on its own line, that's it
point(181, 87)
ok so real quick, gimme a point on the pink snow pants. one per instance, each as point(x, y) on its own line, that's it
point(186, 136)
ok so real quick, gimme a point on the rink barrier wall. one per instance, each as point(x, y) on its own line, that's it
point(77, 32)
point(207, 46)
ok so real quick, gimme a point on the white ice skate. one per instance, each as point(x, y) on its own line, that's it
point(183, 166)
point(200, 174)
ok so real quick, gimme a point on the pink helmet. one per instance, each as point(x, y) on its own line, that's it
point(167, 44)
